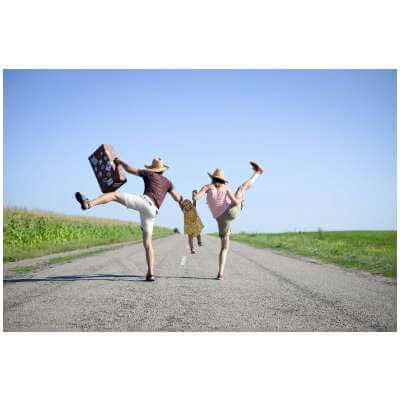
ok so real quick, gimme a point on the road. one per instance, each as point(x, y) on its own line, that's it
point(262, 291)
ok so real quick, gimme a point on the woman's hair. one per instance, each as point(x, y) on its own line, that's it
point(217, 180)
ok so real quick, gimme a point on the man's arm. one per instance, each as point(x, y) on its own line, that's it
point(176, 196)
point(197, 195)
point(126, 167)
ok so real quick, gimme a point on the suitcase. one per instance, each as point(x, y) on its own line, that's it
point(109, 177)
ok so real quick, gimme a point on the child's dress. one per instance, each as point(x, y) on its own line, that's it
point(192, 222)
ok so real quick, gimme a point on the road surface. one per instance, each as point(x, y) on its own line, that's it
point(262, 291)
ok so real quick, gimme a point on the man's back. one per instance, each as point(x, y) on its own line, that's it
point(156, 186)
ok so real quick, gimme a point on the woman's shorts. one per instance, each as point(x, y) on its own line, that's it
point(144, 205)
point(225, 219)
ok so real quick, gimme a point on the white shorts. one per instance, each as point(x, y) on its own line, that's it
point(144, 205)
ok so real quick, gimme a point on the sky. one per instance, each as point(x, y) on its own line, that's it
point(326, 138)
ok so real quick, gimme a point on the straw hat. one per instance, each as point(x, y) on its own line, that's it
point(157, 165)
point(218, 174)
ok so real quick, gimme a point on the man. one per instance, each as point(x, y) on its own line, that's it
point(156, 186)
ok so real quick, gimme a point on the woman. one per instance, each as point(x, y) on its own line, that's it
point(225, 206)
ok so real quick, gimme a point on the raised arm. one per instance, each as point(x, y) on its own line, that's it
point(194, 192)
point(128, 168)
point(198, 195)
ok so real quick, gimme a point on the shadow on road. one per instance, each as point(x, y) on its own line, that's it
point(97, 277)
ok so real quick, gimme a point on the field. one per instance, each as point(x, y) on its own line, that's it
point(373, 251)
point(33, 233)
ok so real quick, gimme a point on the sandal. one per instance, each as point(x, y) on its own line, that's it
point(83, 200)
point(256, 167)
point(220, 277)
point(150, 278)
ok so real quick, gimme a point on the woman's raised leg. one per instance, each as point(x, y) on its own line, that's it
point(249, 182)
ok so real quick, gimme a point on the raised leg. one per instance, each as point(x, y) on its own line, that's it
point(246, 185)
point(105, 198)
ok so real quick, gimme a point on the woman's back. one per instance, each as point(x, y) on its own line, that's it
point(217, 200)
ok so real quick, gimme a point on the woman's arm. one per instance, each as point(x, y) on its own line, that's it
point(126, 167)
point(198, 195)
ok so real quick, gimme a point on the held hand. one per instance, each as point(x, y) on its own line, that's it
point(194, 192)
point(117, 161)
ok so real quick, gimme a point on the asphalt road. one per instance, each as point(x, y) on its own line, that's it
point(262, 291)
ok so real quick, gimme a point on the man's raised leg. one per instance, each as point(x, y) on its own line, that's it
point(105, 198)
point(102, 199)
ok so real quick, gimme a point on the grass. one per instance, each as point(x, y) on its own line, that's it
point(25, 270)
point(372, 251)
point(34, 233)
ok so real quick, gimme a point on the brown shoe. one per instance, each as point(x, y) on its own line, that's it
point(256, 167)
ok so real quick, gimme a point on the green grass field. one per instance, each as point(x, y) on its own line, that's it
point(33, 233)
point(373, 251)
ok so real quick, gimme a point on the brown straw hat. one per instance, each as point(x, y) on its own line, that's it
point(218, 174)
point(157, 165)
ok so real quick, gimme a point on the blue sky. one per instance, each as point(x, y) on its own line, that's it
point(327, 139)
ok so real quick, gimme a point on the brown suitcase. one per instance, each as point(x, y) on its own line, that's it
point(110, 177)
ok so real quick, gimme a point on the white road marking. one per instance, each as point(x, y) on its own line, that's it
point(183, 261)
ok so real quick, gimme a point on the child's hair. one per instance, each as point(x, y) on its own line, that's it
point(187, 205)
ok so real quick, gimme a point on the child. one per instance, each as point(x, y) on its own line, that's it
point(192, 222)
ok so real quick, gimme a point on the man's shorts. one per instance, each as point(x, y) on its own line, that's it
point(225, 219)
point(145, 206)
